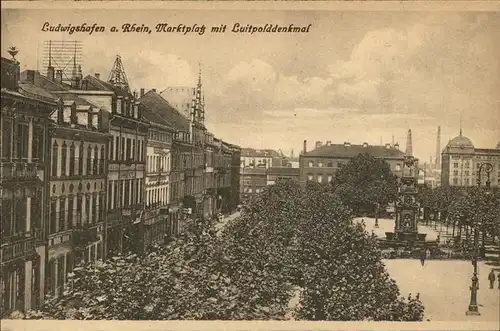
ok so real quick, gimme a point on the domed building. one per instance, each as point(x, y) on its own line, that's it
point(460, 160)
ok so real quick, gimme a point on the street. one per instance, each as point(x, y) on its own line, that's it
point(225, 220)
point(444, 288)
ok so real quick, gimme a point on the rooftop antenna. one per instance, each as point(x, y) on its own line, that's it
point(117, 76)
point(461, 118)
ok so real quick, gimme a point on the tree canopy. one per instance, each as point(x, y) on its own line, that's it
point(288, 241)
point(365, 181)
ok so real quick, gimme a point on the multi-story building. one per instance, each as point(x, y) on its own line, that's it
point(321, 163)
point(234, 195)
point(266, 158)
point(76, 179)
point(460, 161)
point(25, 153)
point(252, 182)
point(276, 173)
point(181, 158)
point(158, 173)
point(126, 165)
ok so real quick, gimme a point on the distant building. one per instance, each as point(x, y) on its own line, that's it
point(252, 182)
point(321, 163)
point(264, 158)
point(460, 161)
point(276, 173)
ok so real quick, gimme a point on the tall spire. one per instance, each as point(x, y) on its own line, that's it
point(409, 147)
point(117, 76)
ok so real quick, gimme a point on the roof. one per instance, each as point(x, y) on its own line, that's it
point(251, 152)
point(67, 96)
point(153, 118)
point(95, 83)
point(44, 82)
point(460, 141)
point(36, 92)
point(254, 171)
point(349, 151)
point(156, 104)
point(284, 171)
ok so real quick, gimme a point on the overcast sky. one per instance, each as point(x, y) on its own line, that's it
point(356, 76)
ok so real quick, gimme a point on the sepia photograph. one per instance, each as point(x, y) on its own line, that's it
point(274, 163)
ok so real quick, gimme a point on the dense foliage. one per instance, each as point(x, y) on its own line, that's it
point(287, 242)
point(364, 182)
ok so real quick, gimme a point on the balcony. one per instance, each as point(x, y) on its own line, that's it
point(19, 248)
point(18, 171)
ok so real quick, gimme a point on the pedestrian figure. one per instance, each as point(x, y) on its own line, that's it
point(422, 257)
point(491, 278)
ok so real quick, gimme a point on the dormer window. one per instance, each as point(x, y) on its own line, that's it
point(95, 121)
point(119, 105)
point(67, 115)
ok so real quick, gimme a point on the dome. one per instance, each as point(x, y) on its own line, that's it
point(460, 141)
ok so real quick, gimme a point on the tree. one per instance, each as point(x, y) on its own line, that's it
point(365, 182)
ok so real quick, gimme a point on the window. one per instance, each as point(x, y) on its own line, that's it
point(134, 155)
point(94, 209)
point(38, 145)
point(80, 160)
point(89, 160)
point(110, 196)
point(467, 173)
point(117, 194)
point(329, 179)
point(127, 151)
point(53, 217)
point(22, 138)
point(320, 178)
point(455, 181)
point(79, 208)
point(111, 148)
point(101, 161)
point(339, 164)
point(101, 207)
point(330, 164)
point(55, 151)
point(72, 159)
point(62, 214)
point(398, 167)
point(455, 173)
point(467, 181)
point(311, 164)
point(310, 177)
point(6, 139)
point(64, 154)
point(117, 148)
point(70, 212)
point(467, 164)
point(122, 150)
point(320, 164)
point(87, 209)
point(455, 165)
point(95, 164)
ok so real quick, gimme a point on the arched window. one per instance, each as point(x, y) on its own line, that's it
point(72, 159)
point(64, 155)
point(55, 151)
point(80, 159)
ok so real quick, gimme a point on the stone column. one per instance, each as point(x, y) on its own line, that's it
point(30, 141)
point(27, 285)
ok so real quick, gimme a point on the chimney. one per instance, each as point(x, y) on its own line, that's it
point(30, 76)
point(396, 145)
point(51, 73)
point(154, 90)
point(365, 144)
point(142, 92)
point(347, 144)
point(318, 144)
point(328, 142)
point(97, 75)
point(59, 76)
point(305, 147)
point(387, 146)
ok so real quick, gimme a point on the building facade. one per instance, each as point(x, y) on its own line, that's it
point(252, 182)
point(460, 161)
point(266, 158)
point(24, 146)
point(277, 173)
point(321, 163)
point(126, 163)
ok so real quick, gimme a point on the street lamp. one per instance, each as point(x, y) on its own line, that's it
point(377, 206)
point(473, 308)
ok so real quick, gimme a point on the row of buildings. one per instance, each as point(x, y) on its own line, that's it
point(90, 169)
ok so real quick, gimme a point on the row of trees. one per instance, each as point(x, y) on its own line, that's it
point(288, 241)
point(464, 208)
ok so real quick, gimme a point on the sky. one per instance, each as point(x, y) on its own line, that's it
point(357, 76)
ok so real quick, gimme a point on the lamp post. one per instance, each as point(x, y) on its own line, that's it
point(377, 206)
point(473, 308)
